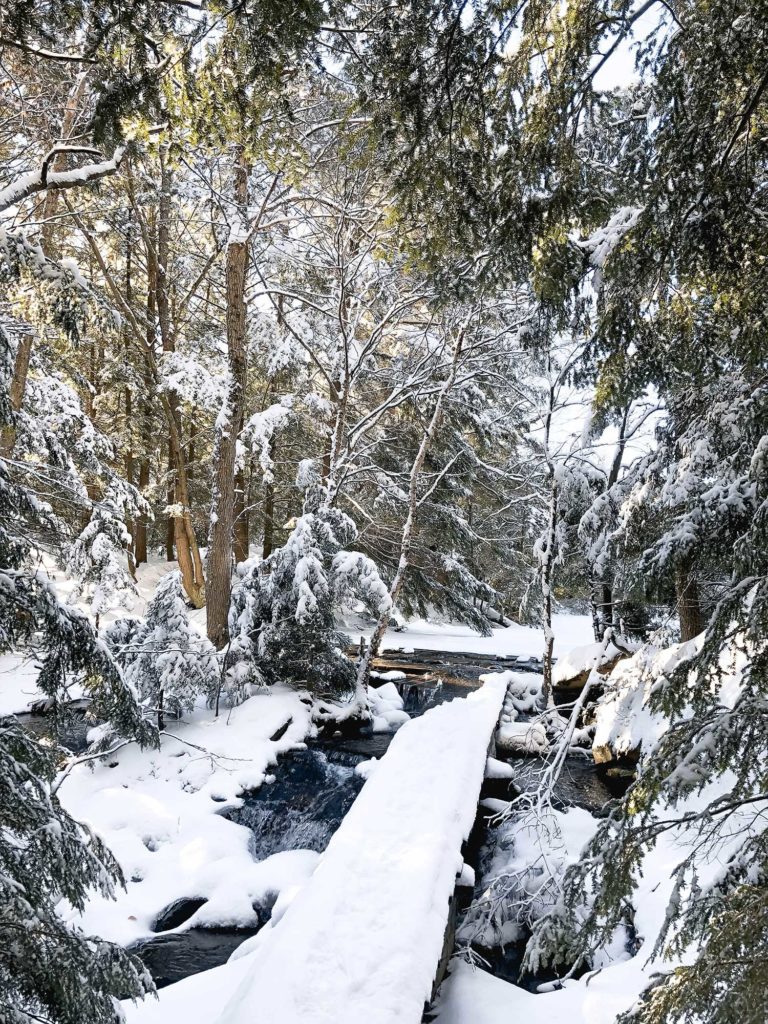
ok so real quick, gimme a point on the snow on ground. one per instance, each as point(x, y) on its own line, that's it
point(525, 641)
point(472, 996)
point(160, 814)
point(360, 941)
point(18, 684)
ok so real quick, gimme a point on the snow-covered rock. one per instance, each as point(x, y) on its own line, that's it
point(387, 708)
point(392, 676)
point(572, 669)
point(623, 722)
point(495, 769)
point(521, 738)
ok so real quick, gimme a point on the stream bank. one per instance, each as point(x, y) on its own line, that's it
point(301, 804)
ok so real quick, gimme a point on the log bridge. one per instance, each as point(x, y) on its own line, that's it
point(366, 940)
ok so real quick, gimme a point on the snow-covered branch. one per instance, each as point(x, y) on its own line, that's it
point(44, 180)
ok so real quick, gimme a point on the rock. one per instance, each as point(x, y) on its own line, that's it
point(466, 877)
point(521, 738)
point(495, 769)
point(178, 912)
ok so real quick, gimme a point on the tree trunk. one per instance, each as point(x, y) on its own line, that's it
point(130, 467)
point(548, 554)
point(147, 440)
point(129, 476)
point(269, 519)
point(546, 589)
point(608, 613)
point(140, 540)
point(242, 519)
point(692, 621)
point(604, 587)
point(17, 389)
point(595, 609)
point(170, 497)
point(187, 550)
point(220, 543)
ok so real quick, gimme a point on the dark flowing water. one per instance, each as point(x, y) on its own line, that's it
point(304, 806)
point(300, 810)
point(171, 958)
point(69, 728)
point(314, 789)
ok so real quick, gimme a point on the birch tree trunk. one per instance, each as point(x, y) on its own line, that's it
point(220, 543)
point(242, 518)
point(547, 567)
point(547, 555)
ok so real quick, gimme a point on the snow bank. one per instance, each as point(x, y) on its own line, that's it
point(361, 941)
point(623, 722)
point(159, 812)
point(525, 641)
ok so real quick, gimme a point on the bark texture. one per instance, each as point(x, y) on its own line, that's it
point(692, 621)
point(220, 543)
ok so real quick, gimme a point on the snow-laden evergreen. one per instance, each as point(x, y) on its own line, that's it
point(97, 559)
point(163, 658)
point(282, 620)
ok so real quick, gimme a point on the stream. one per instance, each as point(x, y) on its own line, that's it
point(315, 787)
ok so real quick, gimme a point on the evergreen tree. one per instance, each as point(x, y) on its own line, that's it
point(61, 639)
point(168, 663)
point(44, 854)
point(49, 970)
point(282, 619)
point(98, 558)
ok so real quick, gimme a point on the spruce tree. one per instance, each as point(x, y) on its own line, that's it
point(168, 663)
point(98, 558)
point(50, 970)
point(282, 621)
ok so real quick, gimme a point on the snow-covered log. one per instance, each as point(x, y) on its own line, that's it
point(362, 940)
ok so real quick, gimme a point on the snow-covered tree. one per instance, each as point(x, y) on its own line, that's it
point(282, 620)
point(98, 558)
point(50, 970)
point(44, 854)
point(170, 665)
